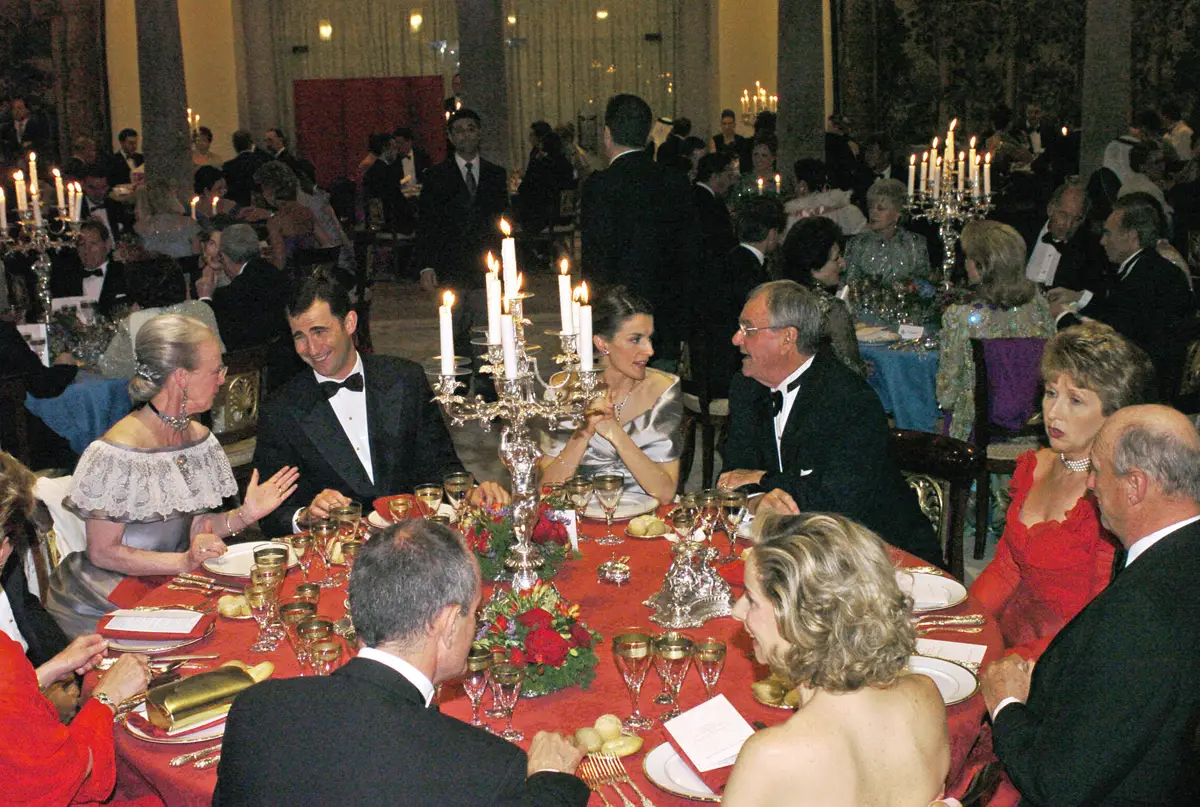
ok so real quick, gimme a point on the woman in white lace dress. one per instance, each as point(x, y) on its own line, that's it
point(150, 488)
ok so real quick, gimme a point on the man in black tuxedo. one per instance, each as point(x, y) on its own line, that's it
point(715, 175)
point(1062, 253)
point(249, 310)
point(125, 159)
point(239, 172)
point(808, 430)
point(730, 142)
point(455, 102)
point(90, 272)
point(47, 448)
point(1148, 299)
point(412, 159)
point(414, 593)
point(23, 134)
point(1108, 715)
point(639, 227)
point(97, 204)
point(358, 427)
point(277, 149)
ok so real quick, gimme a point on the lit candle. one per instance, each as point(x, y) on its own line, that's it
point(975, 179)
point(937, 179)
point(778, 184)
point(760, 186)
point(912, 174)
point(37, 211)
point(446, 333)
point(987, 174)
point(195, 201)
point(575, 304)
point(962, 169)
point(33, 177)
point(58, 192)
point(3, 214)
point(971, 159)
point(19, 184)
point(508, 260)
point(950, 138)
point(933, 150)
point(585, 330)
point(565, 311)
point(508, 340)
point(189, 109)
point(215, 199)
point(924, 172)
point(493, 299)
point(78, 202)
point(1064, 131)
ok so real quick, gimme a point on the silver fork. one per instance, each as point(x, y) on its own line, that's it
point(616, 768)
point(184, 759)
point(207, 762)
point(587, 772)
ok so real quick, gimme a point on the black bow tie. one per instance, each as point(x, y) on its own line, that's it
point(93, 273)
point(777, 397)
point(1049, 239)
point(354, 383)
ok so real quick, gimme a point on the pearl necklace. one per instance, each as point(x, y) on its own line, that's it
point(1076, 466)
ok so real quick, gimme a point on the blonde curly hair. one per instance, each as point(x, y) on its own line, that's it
point(16, 490)
point(836, 601)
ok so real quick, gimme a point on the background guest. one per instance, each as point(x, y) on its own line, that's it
point(292, 227)
point(83, 154)
point(536, 205)
point(814, 197)
point(202, 153)
point(127, 160)
point(249, 309)
point(730, 142)
point(209, 181)
point(885, 251)
point(716, 174)
point(23, 133)
point(239, 171)
point(762, 164)
point(162, 221)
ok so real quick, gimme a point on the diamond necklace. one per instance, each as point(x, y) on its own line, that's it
point(1077, 466)
point(617, 407)
point(178, 422)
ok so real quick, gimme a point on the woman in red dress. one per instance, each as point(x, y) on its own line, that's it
point(1055, 555)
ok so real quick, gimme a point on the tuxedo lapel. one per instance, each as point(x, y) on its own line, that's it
point(377, 386)
point(321, 426)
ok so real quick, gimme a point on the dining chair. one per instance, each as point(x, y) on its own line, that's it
point(701, 413)
point(940, 471)
point(234, 413)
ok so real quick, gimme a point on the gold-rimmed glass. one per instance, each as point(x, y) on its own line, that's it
point(608, 489)
point(262, 602)
point(579, 492)
point(709, 655)
point(398, 507)
point(302, 545)
point(308, 631)
point(325, 535)
point(709, 504)
point(506, 681)
point(428, 497)
point(683, 520)
point(632, 652)
point(348, 518)
point(291, 614)
point(475, 681)
point(274, 555)
point(308, 592)
point(267, 576)
point(350, 550)
point(733, 510)
point(457, 486)
point(672, 655)
point(325, 655)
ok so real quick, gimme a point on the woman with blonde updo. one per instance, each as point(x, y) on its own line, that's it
point(148, 488)
point(824, 611)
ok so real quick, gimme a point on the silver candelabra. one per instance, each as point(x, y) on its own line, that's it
point(519, 401)
point(950, 206)
point(40, 234)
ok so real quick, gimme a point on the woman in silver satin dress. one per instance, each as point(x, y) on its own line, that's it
point(634, 429)
point(886, 252)
point(148, 488)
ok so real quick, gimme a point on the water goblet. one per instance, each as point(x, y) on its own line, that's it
point(608, 488)
point(672, 655)
point(348, 519)
point(579, 491)
point(507, 679)
point(733, 510)
point(274, 555)
point(631, 650)
point(709, 654)
point(326, 655)
point(456, 487)
point(271, 576)
point(325, 532)
point(428, 497)
point(709, 502)
point(475, 682)
point(302, 545)
point(262, 600)
point(398, 507)
point(308, 631)
point(291, 614)
point(350, 550)
point(683, 520)
point(308, 592)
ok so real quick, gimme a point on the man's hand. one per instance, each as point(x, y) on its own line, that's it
point(428, 281)
point(1063, 297)
point(552, 752)
point(489, 494)
point(1007, 678)
point(325, 501)
point(206, 284)
point(731, 480)
point(777, 501)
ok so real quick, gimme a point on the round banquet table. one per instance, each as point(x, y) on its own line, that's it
point(906, 382)
point(143, 768)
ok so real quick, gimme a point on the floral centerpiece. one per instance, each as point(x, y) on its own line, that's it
point(489, 533)
point(86, 341)
point(539, 629)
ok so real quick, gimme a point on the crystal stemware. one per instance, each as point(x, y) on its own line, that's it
point(710, 511)
point(475, 682)
point(348, 519)
point(709, 654)
point(457, 486)
point(608, 488)
point(428, 497)
point(325, 533)
point(398, 507)
point(672, 655)
point(683, 520)
point(308, 592)
point(507, 679)
point(262, 600)
point(350, 550)
point(579, 492)
point(631, 650)
point(325, 655)
point(733, 510)
point(309, 631)
point(302, 545)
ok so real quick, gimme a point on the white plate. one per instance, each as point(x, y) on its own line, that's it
point(632, 504)
point(377, 521)
point(153, 646)
point(935, 588)
point(667, 771)
point(875, 334)
point(214, 732)
point(236, 562)
point(955, 682)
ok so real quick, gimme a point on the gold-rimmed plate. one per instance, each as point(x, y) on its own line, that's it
point(668, 771)
point(632, 504)
point(207, 734)
point(152, 647)
point(930, 592)
point(954, 681)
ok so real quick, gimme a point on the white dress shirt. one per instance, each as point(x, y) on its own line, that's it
point(1043, 261)
point(462, 168)
point(789, 398)
point(410, 673)
point(410, 169)
point(93, 285)
point(8, 622)
point(351, 410)
point(758, 253)
point(100, 213)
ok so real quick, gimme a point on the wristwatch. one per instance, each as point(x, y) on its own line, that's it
point(107, 701)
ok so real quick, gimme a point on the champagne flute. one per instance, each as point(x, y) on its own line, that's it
point(733, 510)
point(302, 545)
point(261, 600)
point(457, 486)
point(631, 650)
point(672, 655)
point(709, 654)
point(579, 491)
point(507, 679)
point(324, 533)
point(326, 655)
point(475, 682)
point(429, 498)
point(608, 488)
point(398, 507)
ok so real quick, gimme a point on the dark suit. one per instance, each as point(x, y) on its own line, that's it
point(835, 453)
point(119, 172)
point(249, 310)
point(47, 448)
point(415, 755)
point(43, 635)
point(34, 138)
point(299, 165)
point(728, 281)
point(455, 231)
point(409, 441)
point(119, 216)
point(66, 280)
point(716, 227)
point(1082, 263)
point(639, 229)
point(741, 149)
point(1112, 709)
point(239, 175)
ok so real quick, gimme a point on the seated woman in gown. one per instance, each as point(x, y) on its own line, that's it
point(634, 429)
point(162, 222)
point(823, 610)
point(149, 488)
point(884, 251)
point(1006, 304)
point(1054, 555)
point(292, 227)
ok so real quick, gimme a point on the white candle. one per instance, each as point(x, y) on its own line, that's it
point(37, 210)
point(1064, 131)
point(778, 184)
point(950, 137)
point(565, 312)
point(924, 172)
point(3, 214)
point(195, 201)
point(215, 199)
point(962, 170)
point(975, 179)
point(933, 151)
point(508, 260)
point(760, 186)
point(58, 192)
point(78, 201)
point(22, 202)
point(586, 360)
point(189, 109)
point(33, 177)
point(912, 174)
point(987, 174)
point(446, 333)
point(492, 283)
point(937, 179)
point(508, 340)
point(971, 159)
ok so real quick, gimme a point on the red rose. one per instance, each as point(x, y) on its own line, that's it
point(516, 657)
point(536, 618)
point(581, 636)
point(548, 531)
point(545, 646)
point(502, 622)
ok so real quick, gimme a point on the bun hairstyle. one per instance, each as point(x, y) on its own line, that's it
point(164, 344)
point(613, 307)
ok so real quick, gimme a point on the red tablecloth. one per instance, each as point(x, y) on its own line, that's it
point(606, 609)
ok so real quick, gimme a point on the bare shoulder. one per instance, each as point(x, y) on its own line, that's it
point(131, 432)
point(657, 382)
point(923, 694)
point(774, 760)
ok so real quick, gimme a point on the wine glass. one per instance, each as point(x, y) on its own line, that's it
point(709, 505)
point(672, 655)
point(308, 592)
point(579, 491)
point(270, 576)
point(631, 650)
point(429, 498)
point(325, 655)
point(475, 682)
point(261, 600)
point(274, 555)
point(324, 532)
point(683, 520)
point(608, 488)
point(302, 545)
point(309, 631)
point(348, 519)
point(709, 654)
point(350, 550)
point(292, 614)
point(733, 510)
point(398, 507)
point(457, 486)
point(507, 679)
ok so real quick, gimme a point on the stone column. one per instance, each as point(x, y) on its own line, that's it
point(481, 63)
point(801, 81)
point(695, 68)
point(165, 138)
point(1106, 83)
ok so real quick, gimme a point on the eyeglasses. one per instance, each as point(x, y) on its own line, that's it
point(750, 330)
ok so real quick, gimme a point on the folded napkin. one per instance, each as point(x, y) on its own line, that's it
point(709, 738)
point(138, 720)
point(165, 624)
point(925, 589)
point(874, 333)
point(381, 506)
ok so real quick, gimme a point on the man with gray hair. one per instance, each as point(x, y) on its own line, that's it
point(370, 734)
point(1064, 254)
point(807, 431)
point(249, 310)
point(1109, 714)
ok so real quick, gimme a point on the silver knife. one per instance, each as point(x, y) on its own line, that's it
point(184, 759)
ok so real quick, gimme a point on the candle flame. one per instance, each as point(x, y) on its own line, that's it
point(760, 182)
point(935, 142)
point(505, 228)
point(972, 141)
point(583, 293)
point(493, 265)
point(564, 266)
point(32, 157)
point(56, 173)
point(1064, 131)
point(962, 155)
point(448, 299)
point(19, 176)
point(939, 160)
point(925, 157)
point(215, 199)
point(195, 200)
point(520, 281)
point(988, 158)
point(912, 160)
point(977, 159)
point(953, 123)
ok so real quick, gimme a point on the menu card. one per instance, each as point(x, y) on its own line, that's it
point(711, 734)
point(35, 336)
point(927, 590)
point(165, 624)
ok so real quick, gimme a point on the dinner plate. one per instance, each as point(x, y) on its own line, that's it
point(377, 521)
point(667, 771)
point(213, 732)
point(632, 504)
point(876, 335)
point(931, 592)
point(954, 681)
point(238, 559)
point(151, 647)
